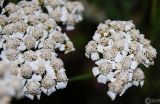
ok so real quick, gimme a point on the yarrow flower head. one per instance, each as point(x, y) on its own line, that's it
point(118, 49)
point(30, 41)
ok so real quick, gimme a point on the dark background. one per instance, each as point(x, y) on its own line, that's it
point(83, 87)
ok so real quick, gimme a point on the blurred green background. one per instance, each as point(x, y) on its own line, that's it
point(83, 87)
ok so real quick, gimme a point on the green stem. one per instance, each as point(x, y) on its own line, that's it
point(153, 10)
point(153, 19)
point(81, 77)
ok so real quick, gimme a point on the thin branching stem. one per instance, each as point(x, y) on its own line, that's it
point(81, 77)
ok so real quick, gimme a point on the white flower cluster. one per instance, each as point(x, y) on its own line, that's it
point(30, 41)
point(67, 12)
point(118, 49)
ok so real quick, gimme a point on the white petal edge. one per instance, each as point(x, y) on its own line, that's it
point(102, 79)
point(95, 71)
point(111, 94)
point(94, 56)
point(61, 85)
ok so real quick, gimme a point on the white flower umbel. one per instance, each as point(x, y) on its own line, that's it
point(30, 42)
point(118, 49)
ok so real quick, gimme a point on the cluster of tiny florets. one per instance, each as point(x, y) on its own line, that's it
point(30, 41)
point(67, 12)
point(118, 49)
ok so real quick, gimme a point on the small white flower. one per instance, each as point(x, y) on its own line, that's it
point(61, 85)
point(94, 56)
point(96, 37)
point(134, 64)
point(64, 14)
point(95, 71)
point(102, 79)
point(32, 88)
point(48, 85)
point(135, 83)
point(100, 48)
point(119, 57)
point(112, 95)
